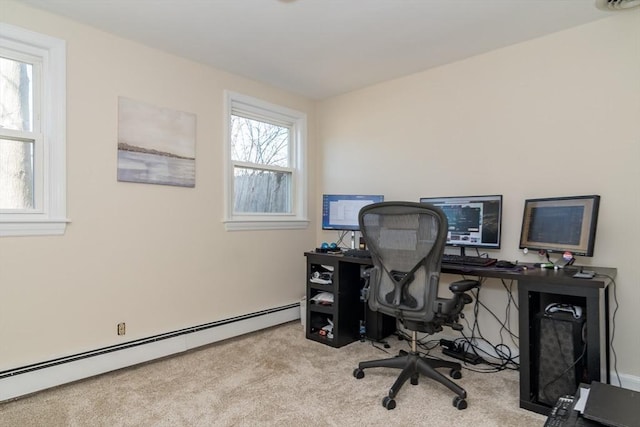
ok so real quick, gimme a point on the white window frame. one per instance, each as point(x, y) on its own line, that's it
point(297, 219)
point(49, 216)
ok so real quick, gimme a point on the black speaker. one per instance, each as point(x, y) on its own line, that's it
point(561, 354)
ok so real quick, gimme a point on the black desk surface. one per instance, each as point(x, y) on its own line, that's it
point(522, 272)
point(527, 272)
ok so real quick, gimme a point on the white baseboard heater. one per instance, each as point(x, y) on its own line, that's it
point(32, 378)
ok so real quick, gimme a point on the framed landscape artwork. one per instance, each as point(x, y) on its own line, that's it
point(155, 145)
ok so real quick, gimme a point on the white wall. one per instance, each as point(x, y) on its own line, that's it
point(155, 257)
point(556, 116)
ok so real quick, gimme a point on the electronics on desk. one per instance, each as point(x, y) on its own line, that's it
point(468, 261)
point(565, 225)
point(544, 265)
point(473, 221)
point(505, 264)
point(584, 274)
point(329, 248)
point(358, 253)
point(340, 211)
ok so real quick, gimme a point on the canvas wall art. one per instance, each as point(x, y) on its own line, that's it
point(155, 145)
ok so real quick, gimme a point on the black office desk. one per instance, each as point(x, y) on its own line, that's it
point(536, 289)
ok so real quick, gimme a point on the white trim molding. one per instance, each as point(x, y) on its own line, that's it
point(49, 214)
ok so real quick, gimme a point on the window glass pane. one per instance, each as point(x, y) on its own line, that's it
point(259, 142)
point(16, 174)
point(260, 191)
point(16, 95)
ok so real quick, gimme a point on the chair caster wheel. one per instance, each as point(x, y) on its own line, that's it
point(455, 374)
point(459, 403)
point(414, 380)
point(388, 403)
point(358, 373)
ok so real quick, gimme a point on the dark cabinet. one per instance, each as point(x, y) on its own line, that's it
point(336, 313)
point(334, 306)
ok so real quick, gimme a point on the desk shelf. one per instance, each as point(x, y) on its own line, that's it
point(319, 308)
point(346, 310)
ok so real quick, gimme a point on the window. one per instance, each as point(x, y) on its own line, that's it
point(32, 133)
point(266, 176)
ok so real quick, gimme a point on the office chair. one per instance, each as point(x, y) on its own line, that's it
point(406, 241)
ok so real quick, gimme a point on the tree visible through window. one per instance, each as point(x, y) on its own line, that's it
point(17, 138)
point(261, 166)
point(266, 175)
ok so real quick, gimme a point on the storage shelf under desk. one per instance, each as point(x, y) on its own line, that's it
point(346, 310)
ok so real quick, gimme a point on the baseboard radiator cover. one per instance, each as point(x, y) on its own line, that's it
point(29, 379)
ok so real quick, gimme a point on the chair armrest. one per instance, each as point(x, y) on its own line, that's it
point(463, 286)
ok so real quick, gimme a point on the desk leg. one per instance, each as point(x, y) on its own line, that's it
point(526, 349)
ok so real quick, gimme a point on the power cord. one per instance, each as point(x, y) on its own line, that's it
point(340, 242)
point(506, 360)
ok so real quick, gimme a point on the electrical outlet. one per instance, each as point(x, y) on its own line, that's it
point(121, 328)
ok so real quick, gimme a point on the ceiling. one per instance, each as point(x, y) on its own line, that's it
point(323, 48)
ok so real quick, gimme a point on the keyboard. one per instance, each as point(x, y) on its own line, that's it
point(358, 253)
point(473, 261)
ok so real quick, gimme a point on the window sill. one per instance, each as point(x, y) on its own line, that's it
point(33, 228)
point(245, 225)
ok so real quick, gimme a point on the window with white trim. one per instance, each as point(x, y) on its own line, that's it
point(32, 133)
point(265, 179)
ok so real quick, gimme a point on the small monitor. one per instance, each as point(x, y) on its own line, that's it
point(473, 221)
point(560, 224)
point(340, 211)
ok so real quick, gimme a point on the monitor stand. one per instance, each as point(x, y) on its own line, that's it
point(353, 239)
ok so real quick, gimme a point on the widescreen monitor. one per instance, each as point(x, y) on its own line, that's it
point(340, 211)
point(560, 224)
point(473, 221)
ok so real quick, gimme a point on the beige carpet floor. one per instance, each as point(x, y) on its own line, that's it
point(273, 377)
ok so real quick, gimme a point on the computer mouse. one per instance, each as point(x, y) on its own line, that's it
point(504, 264)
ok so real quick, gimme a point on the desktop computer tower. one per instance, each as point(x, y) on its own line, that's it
point(561, 355)
point(378, 326)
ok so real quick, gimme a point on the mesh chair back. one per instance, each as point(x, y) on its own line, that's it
point(406, 241)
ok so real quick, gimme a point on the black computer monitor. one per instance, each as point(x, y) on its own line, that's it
point(474, 221)
point(564, 225)
point(340, 211)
